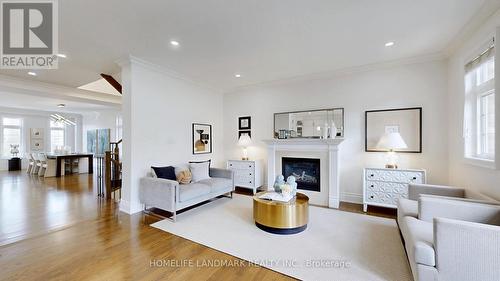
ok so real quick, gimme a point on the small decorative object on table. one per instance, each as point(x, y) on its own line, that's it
point(288, 188)
point(280, 180)
point(14, 150)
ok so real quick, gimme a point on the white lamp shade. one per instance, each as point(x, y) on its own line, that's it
point(245, 140)
point(391, 141)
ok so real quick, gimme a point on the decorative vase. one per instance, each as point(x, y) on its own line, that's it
point(333, 131)
point(325, 131)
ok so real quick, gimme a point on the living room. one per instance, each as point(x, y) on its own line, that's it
point(326, 140)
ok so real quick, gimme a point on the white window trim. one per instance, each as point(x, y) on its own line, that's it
point(21, 140)
point(63, 129)
point(473, 160)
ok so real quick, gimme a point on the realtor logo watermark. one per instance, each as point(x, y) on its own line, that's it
point(29, 34)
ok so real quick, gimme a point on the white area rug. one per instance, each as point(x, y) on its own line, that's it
point(336, 245)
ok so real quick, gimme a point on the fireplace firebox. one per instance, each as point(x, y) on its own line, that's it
point(305, 170)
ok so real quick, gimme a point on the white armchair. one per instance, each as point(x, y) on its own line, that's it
point(453, 239)
point(409, 207)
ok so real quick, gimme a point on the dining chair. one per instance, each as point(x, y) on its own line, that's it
point(42, 165)
point(34, 171)
point(31, 162)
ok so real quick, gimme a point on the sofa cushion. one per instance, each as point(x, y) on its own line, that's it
point(407, 207)
point(167, 172)
point(217, 184)
point(419, 240)
point(199, 170)
point(192, 190)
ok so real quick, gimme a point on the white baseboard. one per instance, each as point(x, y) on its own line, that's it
point(351, 197)
point(127, 208)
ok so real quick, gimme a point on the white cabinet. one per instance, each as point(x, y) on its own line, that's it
point(383, 187)
point(247, 174)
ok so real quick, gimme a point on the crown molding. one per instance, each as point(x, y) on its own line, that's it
point(345, 71)
point(28, 87)
point(491, 8)
point(130, 60)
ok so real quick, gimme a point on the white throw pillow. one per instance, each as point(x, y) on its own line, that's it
point(199, 171)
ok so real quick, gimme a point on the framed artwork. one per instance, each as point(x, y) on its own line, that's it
point(247, 132)
point(405, 121)
point(92, 141)
point(37, 138)
point(37, 133)
point(202, 138)
point(103, 140)
point(244, 123)
point(37, 145)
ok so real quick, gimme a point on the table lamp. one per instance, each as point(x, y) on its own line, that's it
point(245, 141)
point(391, 142)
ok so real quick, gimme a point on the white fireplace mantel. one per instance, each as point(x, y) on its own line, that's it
point(331, 146)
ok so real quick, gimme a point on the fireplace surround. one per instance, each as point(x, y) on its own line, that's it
point(277, 148)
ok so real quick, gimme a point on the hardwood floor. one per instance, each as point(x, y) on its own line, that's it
point(58, 229)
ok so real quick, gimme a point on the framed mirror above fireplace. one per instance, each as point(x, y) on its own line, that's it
point(309, 123)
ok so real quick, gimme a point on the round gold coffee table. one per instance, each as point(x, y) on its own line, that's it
point(281, 217)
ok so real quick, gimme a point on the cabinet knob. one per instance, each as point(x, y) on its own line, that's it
point(371, 197)
point(250, 173)
point(414, 178)
point(250, 181)
point(371, 175)
point(249, 166)
point(230, 164)
point(371, 185)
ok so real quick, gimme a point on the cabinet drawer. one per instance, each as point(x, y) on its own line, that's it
point(243, 173)
point(237, 165)
point(395, 176)
point(385, 192)
point(244, 181)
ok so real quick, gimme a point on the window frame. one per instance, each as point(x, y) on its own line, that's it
point(56, 128)
point(7, 155)
point(472, 110)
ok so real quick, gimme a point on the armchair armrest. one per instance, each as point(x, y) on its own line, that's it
point(159, 193)
point(466, 250)
point(415, 190)
point(430, 207)
point(221, 173)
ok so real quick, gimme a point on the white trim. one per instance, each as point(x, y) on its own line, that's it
point(130, 59)
point(127, 208)
point(343, 71)
point(351, 197)
point(478, 162)
point(331, 146)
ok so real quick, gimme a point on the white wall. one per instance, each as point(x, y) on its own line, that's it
point(158, 110)
point(41, 119)
point(481, 179)
point(104, 119)
point(419, 84)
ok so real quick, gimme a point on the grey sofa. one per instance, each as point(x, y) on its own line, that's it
point(171, 196)
point(453, 235)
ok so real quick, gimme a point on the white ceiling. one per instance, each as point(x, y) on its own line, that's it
point(43, 103)
point(262, 40)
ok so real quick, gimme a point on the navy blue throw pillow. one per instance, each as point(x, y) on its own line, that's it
point(165, 172)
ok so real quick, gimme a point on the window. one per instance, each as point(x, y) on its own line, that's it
point(479, 111)
point(11, 135)
point(57, 135)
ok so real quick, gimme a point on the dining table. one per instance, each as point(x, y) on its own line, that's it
point(71, 156)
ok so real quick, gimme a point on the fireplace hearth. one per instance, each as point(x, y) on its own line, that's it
point(305, 170)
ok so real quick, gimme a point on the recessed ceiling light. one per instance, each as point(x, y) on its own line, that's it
point(174, 43)
point(61, 105)
point(389, 44)
point(61, 56)
point(237, 75)
point(31, 73)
